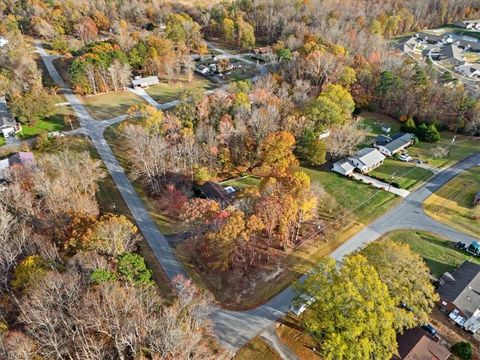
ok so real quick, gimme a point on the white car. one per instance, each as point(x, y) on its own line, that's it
point(306, 302)
point(405, 157)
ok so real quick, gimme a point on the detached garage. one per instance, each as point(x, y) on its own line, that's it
point(343, 167)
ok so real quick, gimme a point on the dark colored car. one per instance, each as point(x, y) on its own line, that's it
point(430, 329)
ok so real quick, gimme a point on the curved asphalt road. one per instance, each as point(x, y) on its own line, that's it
point(235, 328)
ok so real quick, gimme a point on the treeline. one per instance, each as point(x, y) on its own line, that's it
point(71, 283)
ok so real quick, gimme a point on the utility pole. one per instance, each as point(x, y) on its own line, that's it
point(391, 180)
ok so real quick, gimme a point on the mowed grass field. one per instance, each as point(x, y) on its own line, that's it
point(404, 174)
point(453, 203)
point(439, 254)
point(165, 92)
point(112, 104)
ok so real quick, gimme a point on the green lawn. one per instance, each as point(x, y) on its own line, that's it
point(402, 174)
point(242, 182)
point(462, 147)
point(362, 200)
point(439, 254)
point(165, 92)
point(55, 122)
point(452, 204)
point(112, 104)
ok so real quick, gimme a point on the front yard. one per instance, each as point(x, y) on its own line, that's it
point(453, 203)
point(402, 174)
point(165, 92)
point(108, 105)
point(439, 254)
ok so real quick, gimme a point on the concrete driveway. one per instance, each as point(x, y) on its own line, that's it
point(381, 185)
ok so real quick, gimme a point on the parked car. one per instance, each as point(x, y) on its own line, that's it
point(405, 157)
point(304, 303)
point(460, 245)
point(430, 329)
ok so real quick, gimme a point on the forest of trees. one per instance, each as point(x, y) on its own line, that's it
point(71, 283)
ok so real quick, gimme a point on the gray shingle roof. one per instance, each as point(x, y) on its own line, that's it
point(6, 118)
point(399, 140)
point(451, 51)
point(369, 156)
point(464, 292)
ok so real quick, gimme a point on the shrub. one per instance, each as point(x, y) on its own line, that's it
point(132, 268)
point(408, 126)
point(100, 276)
point(463, 350)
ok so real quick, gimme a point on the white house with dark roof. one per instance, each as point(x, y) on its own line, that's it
point(390, 146)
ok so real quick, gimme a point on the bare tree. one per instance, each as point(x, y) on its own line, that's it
point(344, 139)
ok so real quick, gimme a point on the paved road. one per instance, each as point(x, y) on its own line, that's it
point(235, 328)
point(94, 129)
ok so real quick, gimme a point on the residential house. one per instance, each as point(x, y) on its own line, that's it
point(217, 192)
point(476, 199)
point(430, 38)
point(460, 296)
point(469, 24)
point(145, 82)
point(417, 344)
point(408, 45)
point(473, 46)
point(343, 167)
point(367, 159)
point(390, 146)
point(453, 54)
point(470, 70)
point(8, 125)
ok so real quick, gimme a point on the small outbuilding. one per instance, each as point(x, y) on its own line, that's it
point(343, 167)
point(145, 82)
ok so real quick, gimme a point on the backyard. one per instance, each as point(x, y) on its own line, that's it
point(165, 92)
point(402, 174)
point(108, 105)
point(453, 203)
point(439, 254)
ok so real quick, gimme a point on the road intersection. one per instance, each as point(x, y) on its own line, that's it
point(235, 328)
